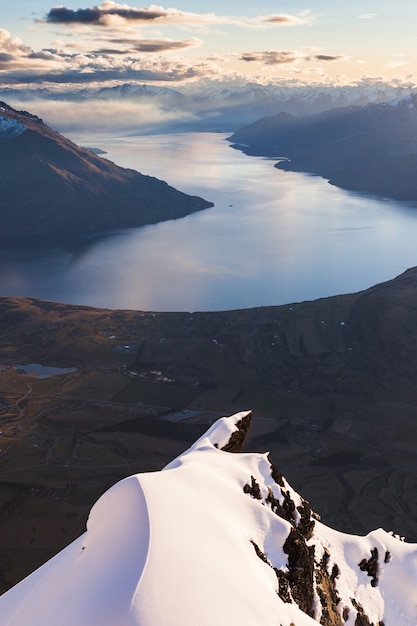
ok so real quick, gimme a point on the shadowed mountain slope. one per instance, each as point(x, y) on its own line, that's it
point(370, 148)
point(49, 185)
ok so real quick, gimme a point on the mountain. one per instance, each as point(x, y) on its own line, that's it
point(370, 148)
point(207, 105)
point(217, 537)
point(49, 185)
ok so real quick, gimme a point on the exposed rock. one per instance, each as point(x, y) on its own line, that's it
point(300, 571)
point(361, 618)
point(253, 489)
point(237, 440)
point(371, 566)
point(327, 592)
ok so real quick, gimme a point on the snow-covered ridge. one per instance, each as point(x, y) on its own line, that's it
point(217, 538)
point(10, 128)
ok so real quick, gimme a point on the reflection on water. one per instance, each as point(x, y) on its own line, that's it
point(273, 237)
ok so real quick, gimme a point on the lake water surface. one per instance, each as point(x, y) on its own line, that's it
point(273, 237)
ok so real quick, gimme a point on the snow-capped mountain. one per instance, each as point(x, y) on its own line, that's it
point(213, 105)
point(217, 538)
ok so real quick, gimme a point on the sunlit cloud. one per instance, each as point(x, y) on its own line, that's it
point(366, 16)
point(61, 67)
point(398, 60)
point(111, 13)
point(12, 46)
point(396, 63)
point(284, 19)
point(280, 57)
point(271, 57)
point(20, 64)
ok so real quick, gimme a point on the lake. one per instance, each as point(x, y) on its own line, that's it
point(273, 237)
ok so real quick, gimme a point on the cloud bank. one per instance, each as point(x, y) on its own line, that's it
point(112, 42)
point(106, 14)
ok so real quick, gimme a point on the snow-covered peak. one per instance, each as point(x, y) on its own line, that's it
point(217, 538)
point(10, 128)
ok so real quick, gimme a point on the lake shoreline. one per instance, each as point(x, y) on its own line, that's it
point(272, 237)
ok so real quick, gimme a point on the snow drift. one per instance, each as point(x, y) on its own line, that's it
point(217, 538)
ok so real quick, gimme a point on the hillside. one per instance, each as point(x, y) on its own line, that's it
point(49, 186)
point(370, 148)
point(219, 538)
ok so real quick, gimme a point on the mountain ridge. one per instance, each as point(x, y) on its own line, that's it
point(71, 190)
point(220, 106)
point(370, 148)
point(240, 547)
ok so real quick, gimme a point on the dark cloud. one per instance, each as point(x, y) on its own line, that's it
point(277, 57)
point(149, 45)
point(280, 19)
point(328, 57)
point(102, 14)
point(44, 55)
point(171, 74)
point(112, 51)
point(97, 15)
point(5, 57)
point(163, 45)
point(62, 15)
point(271, 57)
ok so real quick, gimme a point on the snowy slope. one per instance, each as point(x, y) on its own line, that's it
point(10, 128)
point(216, 539)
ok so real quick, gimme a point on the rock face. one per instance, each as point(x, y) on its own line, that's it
point(370, 148)
point(219, 538)
point(49, 185)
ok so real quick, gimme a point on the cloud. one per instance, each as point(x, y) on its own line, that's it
point(20, 64)
point(96, 117)
point(271, 57)
point(284, 19)
point(100, 14)
point(279, 57)
point(12, 46)
point(5, 57)
point(329, 57)
point(149, 46)
point(110, 13)
point(366, 16)
point(64, 68)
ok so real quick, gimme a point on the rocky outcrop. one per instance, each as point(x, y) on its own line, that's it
point(239, 547)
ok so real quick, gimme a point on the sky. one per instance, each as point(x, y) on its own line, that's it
point(81, 43)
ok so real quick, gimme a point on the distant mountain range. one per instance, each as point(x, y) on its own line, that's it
point(49, 185)
point(217, 538)
point(217, 106)
point(370, 148)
